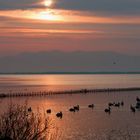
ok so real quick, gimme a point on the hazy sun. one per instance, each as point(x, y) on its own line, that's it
point(48, 14)
point(48, 3)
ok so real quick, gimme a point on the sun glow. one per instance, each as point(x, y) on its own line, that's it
point(48, 3)
point(48, 15)
point(55, 15)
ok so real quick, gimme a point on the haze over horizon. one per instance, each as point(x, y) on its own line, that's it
point(78, 61)
point(69, 25)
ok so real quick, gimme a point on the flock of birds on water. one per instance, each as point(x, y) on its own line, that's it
point(106, 110)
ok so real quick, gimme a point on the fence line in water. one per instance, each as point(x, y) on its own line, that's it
point(84, 91)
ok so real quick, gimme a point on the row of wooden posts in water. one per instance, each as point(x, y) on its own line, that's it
point(106, 110)
point(84, 91)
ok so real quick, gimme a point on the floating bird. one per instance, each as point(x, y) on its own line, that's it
point(72, 110)
point(132, 109)
point(138, 105)
point(29, 109)
point(117, 105)
point(110, 104)
point(49, 111)
point(122, 103)
point(138, 99)
point(91, 106)
point(108, 110)
point(59, 115)
point(76, 108)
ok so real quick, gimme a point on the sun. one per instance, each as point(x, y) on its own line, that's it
point(48, 3)
point(47, 14)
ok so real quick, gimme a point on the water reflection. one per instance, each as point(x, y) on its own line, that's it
point(36, 83)
point(95, 80)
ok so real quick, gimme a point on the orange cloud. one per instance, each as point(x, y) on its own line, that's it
point(64, 16)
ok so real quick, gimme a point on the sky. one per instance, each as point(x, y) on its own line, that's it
point(69, 25)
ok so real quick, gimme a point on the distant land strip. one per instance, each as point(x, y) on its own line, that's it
point(81, 91)
point(38, 73)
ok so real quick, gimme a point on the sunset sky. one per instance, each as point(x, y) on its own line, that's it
point(69, 25)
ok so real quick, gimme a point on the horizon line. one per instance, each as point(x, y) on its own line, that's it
point(37, 73)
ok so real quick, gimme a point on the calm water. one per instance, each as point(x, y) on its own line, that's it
point(87, 124)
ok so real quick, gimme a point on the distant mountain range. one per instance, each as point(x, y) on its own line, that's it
point(70, 62)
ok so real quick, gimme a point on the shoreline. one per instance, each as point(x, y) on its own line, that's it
point(64, 73)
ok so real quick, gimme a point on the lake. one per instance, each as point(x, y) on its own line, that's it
point(87, 124)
